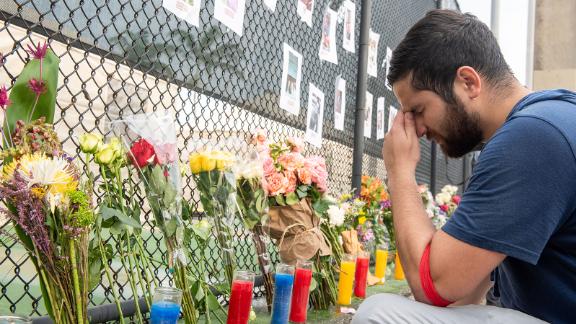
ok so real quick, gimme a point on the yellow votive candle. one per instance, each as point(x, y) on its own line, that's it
point(398, 271)
point(346, 281)
point(381, 260)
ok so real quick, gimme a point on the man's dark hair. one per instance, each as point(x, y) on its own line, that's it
point(440, 43)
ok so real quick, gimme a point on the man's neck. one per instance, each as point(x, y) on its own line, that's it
point(499, 107)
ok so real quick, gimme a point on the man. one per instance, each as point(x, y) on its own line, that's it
point(517, 218)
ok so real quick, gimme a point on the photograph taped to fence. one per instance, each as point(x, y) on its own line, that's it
point(340, 103)
point(328, 40)
point(188, 10)
point(380, 118)
point(271, 4)
point(392, 111)
point(349, 26)
point(368, 115)
point(373, 54)
point(291, 77)
point(231, 14)
point(305, 10)
point(386, 65)
point(315, 116)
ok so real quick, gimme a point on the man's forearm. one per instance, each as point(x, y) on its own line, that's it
point(414, 230)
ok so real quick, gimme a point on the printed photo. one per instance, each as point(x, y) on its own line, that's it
point(271, 4)
point(315, 116)
point(373, 54)
point(339, 103)
point(304, 10)
point(290, 83)
point(187, 10)
point(327, 42)
point(231, 14)
point(391, 115)
point(368, 115)
point(380, 118)
point(349, 26)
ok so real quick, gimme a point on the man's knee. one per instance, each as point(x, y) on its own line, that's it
point(381, 308)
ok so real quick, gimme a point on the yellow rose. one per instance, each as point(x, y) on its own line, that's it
point(89, 142)
point(106, 155)
point(223, 159)
point(195, 160)
point(361, 220)
point(208, 162)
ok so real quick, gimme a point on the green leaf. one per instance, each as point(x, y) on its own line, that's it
point(291, 198)
point(23, 98)
point(169, 194)
point(230, 178)
point(171, 226)
point(303, 188)
point(313, 285)
point(197, 290)
point(280, 200)
point(107, 213)
point(202, 229)
point(321, 206)
point(212, 300)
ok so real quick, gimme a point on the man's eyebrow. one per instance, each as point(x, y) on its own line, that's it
point(412, 108)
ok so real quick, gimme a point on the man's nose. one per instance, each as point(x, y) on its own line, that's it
point(420, 128)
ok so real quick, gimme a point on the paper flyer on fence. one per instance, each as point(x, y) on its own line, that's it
point(349, 26)
point(188, 10)
point(368, 115)
point(380, 118)
point(305, 9)
point(340, 103)
point(392, 111)
point(291, 77)
point(315, 116)
point(271, 4)
point(387, 67)
point(231, 14)
point(328, 40)
point(373, 54)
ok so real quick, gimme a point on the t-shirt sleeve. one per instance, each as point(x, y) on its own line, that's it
point(520, 191)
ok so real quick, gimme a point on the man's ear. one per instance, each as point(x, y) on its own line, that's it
point(468, 82)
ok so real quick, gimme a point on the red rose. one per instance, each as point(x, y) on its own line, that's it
point(444, 208)
point(456, 199)
point(142, 153)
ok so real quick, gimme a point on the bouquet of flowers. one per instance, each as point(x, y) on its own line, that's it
point(296, 186)
point(118, 232)
point(432, 210)
point(214, 175)
point(41, 192)
point(150, 140)
point(447, 200)
point(375, 223)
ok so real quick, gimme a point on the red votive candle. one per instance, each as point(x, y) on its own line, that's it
point(241, 298)
point(360, 282)
point(301, 292)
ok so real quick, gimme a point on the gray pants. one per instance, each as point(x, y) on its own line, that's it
point(389, 308)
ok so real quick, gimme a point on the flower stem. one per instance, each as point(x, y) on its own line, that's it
point(79, 306)
point(109, 277)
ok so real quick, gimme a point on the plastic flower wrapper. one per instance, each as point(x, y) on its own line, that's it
point(212, 165)
point(151, 145)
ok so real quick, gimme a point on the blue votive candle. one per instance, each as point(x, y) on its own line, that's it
point(164, 313)
point(283, 281)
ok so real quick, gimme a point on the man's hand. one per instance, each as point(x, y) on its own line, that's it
point(401, 150)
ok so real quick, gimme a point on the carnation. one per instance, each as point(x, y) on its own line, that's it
point(336, 215)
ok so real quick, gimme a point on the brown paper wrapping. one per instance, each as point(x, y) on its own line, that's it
point(296, 230)
point(350, 242)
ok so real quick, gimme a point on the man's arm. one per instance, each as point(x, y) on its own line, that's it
point(457, 269)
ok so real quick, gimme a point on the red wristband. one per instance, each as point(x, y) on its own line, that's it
point(427, 283)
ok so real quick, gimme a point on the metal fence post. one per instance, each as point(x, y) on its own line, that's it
point(361, 87)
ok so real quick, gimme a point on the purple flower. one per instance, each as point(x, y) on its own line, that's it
point(385, 204)
point(37, 86)
point(39, 51)
point(4, 101)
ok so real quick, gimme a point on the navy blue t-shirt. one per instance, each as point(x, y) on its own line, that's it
point(521, 201)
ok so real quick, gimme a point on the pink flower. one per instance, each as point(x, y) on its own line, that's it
point(260, 136)
point(276, 184)
point(39, 51)
point(317, 167)
point(304, 176)
point(166, 153)
point(295, 144)
point(444, 208)
point(292, 181)
point(4, 101)
point(268, 166)
point(37, 86)
point(456, 199)
point(291, 161)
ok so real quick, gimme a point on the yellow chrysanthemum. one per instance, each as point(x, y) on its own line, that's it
point(38, 192)
point(8, 169)
point(54, 173)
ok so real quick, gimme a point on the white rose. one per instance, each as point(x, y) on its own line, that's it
point(443, 198)
point(452, 190)
point(336, 215)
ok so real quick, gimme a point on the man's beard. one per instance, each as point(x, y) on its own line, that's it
point(463, 132)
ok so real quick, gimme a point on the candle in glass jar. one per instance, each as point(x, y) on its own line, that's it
point(301, 292)
point(166, 305)
point(346, 281)
point(360, 280)
point(283, 282)
point(381, 261)
point(398, 271)
point(241, 298)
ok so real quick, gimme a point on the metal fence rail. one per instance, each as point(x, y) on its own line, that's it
point(121, 57)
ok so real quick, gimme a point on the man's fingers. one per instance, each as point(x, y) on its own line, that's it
point(409, 124)
point(398, 122)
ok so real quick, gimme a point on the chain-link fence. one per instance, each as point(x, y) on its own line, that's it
point(120, 57)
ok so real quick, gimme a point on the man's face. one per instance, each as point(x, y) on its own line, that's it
point(449, 125)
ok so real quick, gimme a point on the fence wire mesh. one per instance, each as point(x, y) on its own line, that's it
point(120, 57)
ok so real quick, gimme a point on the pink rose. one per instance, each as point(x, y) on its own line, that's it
point(444, 208)
point(305, 176)
point(268, 166)
point(456, 199)
point(291, 161)
point(166, 153)
point(276, 184)
point(295, 144)
point(292, 181)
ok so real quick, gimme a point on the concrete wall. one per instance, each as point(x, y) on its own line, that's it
point(555, 44)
